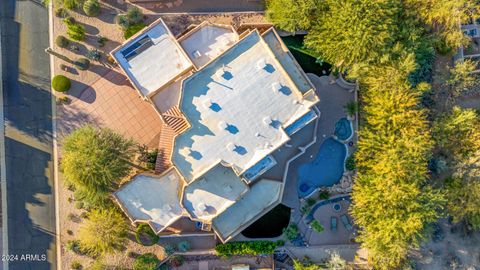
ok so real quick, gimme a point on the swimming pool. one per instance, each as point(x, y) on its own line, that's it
point(343, 129)
point(325, 170)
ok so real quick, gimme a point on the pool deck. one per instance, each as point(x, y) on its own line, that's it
point(333, 99)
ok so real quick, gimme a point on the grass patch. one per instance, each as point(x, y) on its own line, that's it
point(133, 29)
point(145, 235)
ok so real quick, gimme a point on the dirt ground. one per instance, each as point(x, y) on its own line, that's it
point(455, 251)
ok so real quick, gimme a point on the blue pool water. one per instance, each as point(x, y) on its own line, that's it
point(343, 129)
point(325, 170)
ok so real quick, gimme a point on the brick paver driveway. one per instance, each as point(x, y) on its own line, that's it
point(112, 102)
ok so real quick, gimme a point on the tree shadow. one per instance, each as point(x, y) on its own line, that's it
point(71, 117)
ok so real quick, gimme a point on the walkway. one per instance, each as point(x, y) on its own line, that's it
point(112, 102)
point(28, 135)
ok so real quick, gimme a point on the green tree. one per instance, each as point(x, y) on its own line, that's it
point(103, 232)
point(91, 8)
point(354, 31)
point(391, 202)
point(457, 134)
point(443, 18)
point(293, 15)
point(94, 160)
point(461, 78)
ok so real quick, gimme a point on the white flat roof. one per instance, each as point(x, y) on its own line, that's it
point(152, 199)
point(152, 59)
point(261, 196)
point(214, 192)
point(247, 90)
point(207, 42)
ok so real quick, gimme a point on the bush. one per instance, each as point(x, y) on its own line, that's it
point(76, 31)
point(134, 15)
point(61, 83)
point(316, 226)
point(79, 205)
point(73, 245)
point(62, 41)
point(61, 12)
point(70, 4)
point(310, 202)
point(247, 248)
point(183, 246)
point(101, 41)
point(290, 232)
point(82, 63)
point(69, 20)
point(176, 261)
point(350, 163)
point(76, 265)
point(133, 29)
point(94, 55)
point(169, 250)
point(69, 232)
point(91, 8)
point(144, 230)
point(323, 195)
point(147, 261)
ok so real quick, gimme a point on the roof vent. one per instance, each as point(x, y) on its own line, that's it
point(220, 73)
point(276, 87)
point(202, 207)
point(261, 63)
point(231, 146)
point(267, 120)
point(222, 125)
point(207, 103)
point(196, 54)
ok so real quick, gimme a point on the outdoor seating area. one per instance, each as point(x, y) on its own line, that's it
point(333, 215)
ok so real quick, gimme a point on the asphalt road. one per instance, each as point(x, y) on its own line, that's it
point(28, 135)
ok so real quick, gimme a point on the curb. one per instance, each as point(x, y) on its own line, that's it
point(3, 173)
point(54, 138)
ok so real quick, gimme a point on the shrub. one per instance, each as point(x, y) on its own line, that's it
point(310, 202)
point(82, 63)
point(323, 195)
point(134, 15)
point(122, 21)
point(79, 205)
point(101, 41)
point(70, 4)
point(351, 108)
point(145, 230)
point(91, 8)
point(76, 31)
point(290, 232)
point(133, 29)
point(350, 163)
point(247, 248)
point(69, 232)
point(62, 41)
point(93, 54)
point(183, 246)
point(147, 261)
point(61, 83)
point(316, 226)
point(169, 250)
point(132, 254)
point(73, 245)
point(71, 216)
point(176, 260)
point(69, 20)
point(76, 265)
point(61, 12)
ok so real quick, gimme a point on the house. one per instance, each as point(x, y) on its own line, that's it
point(228, 100)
